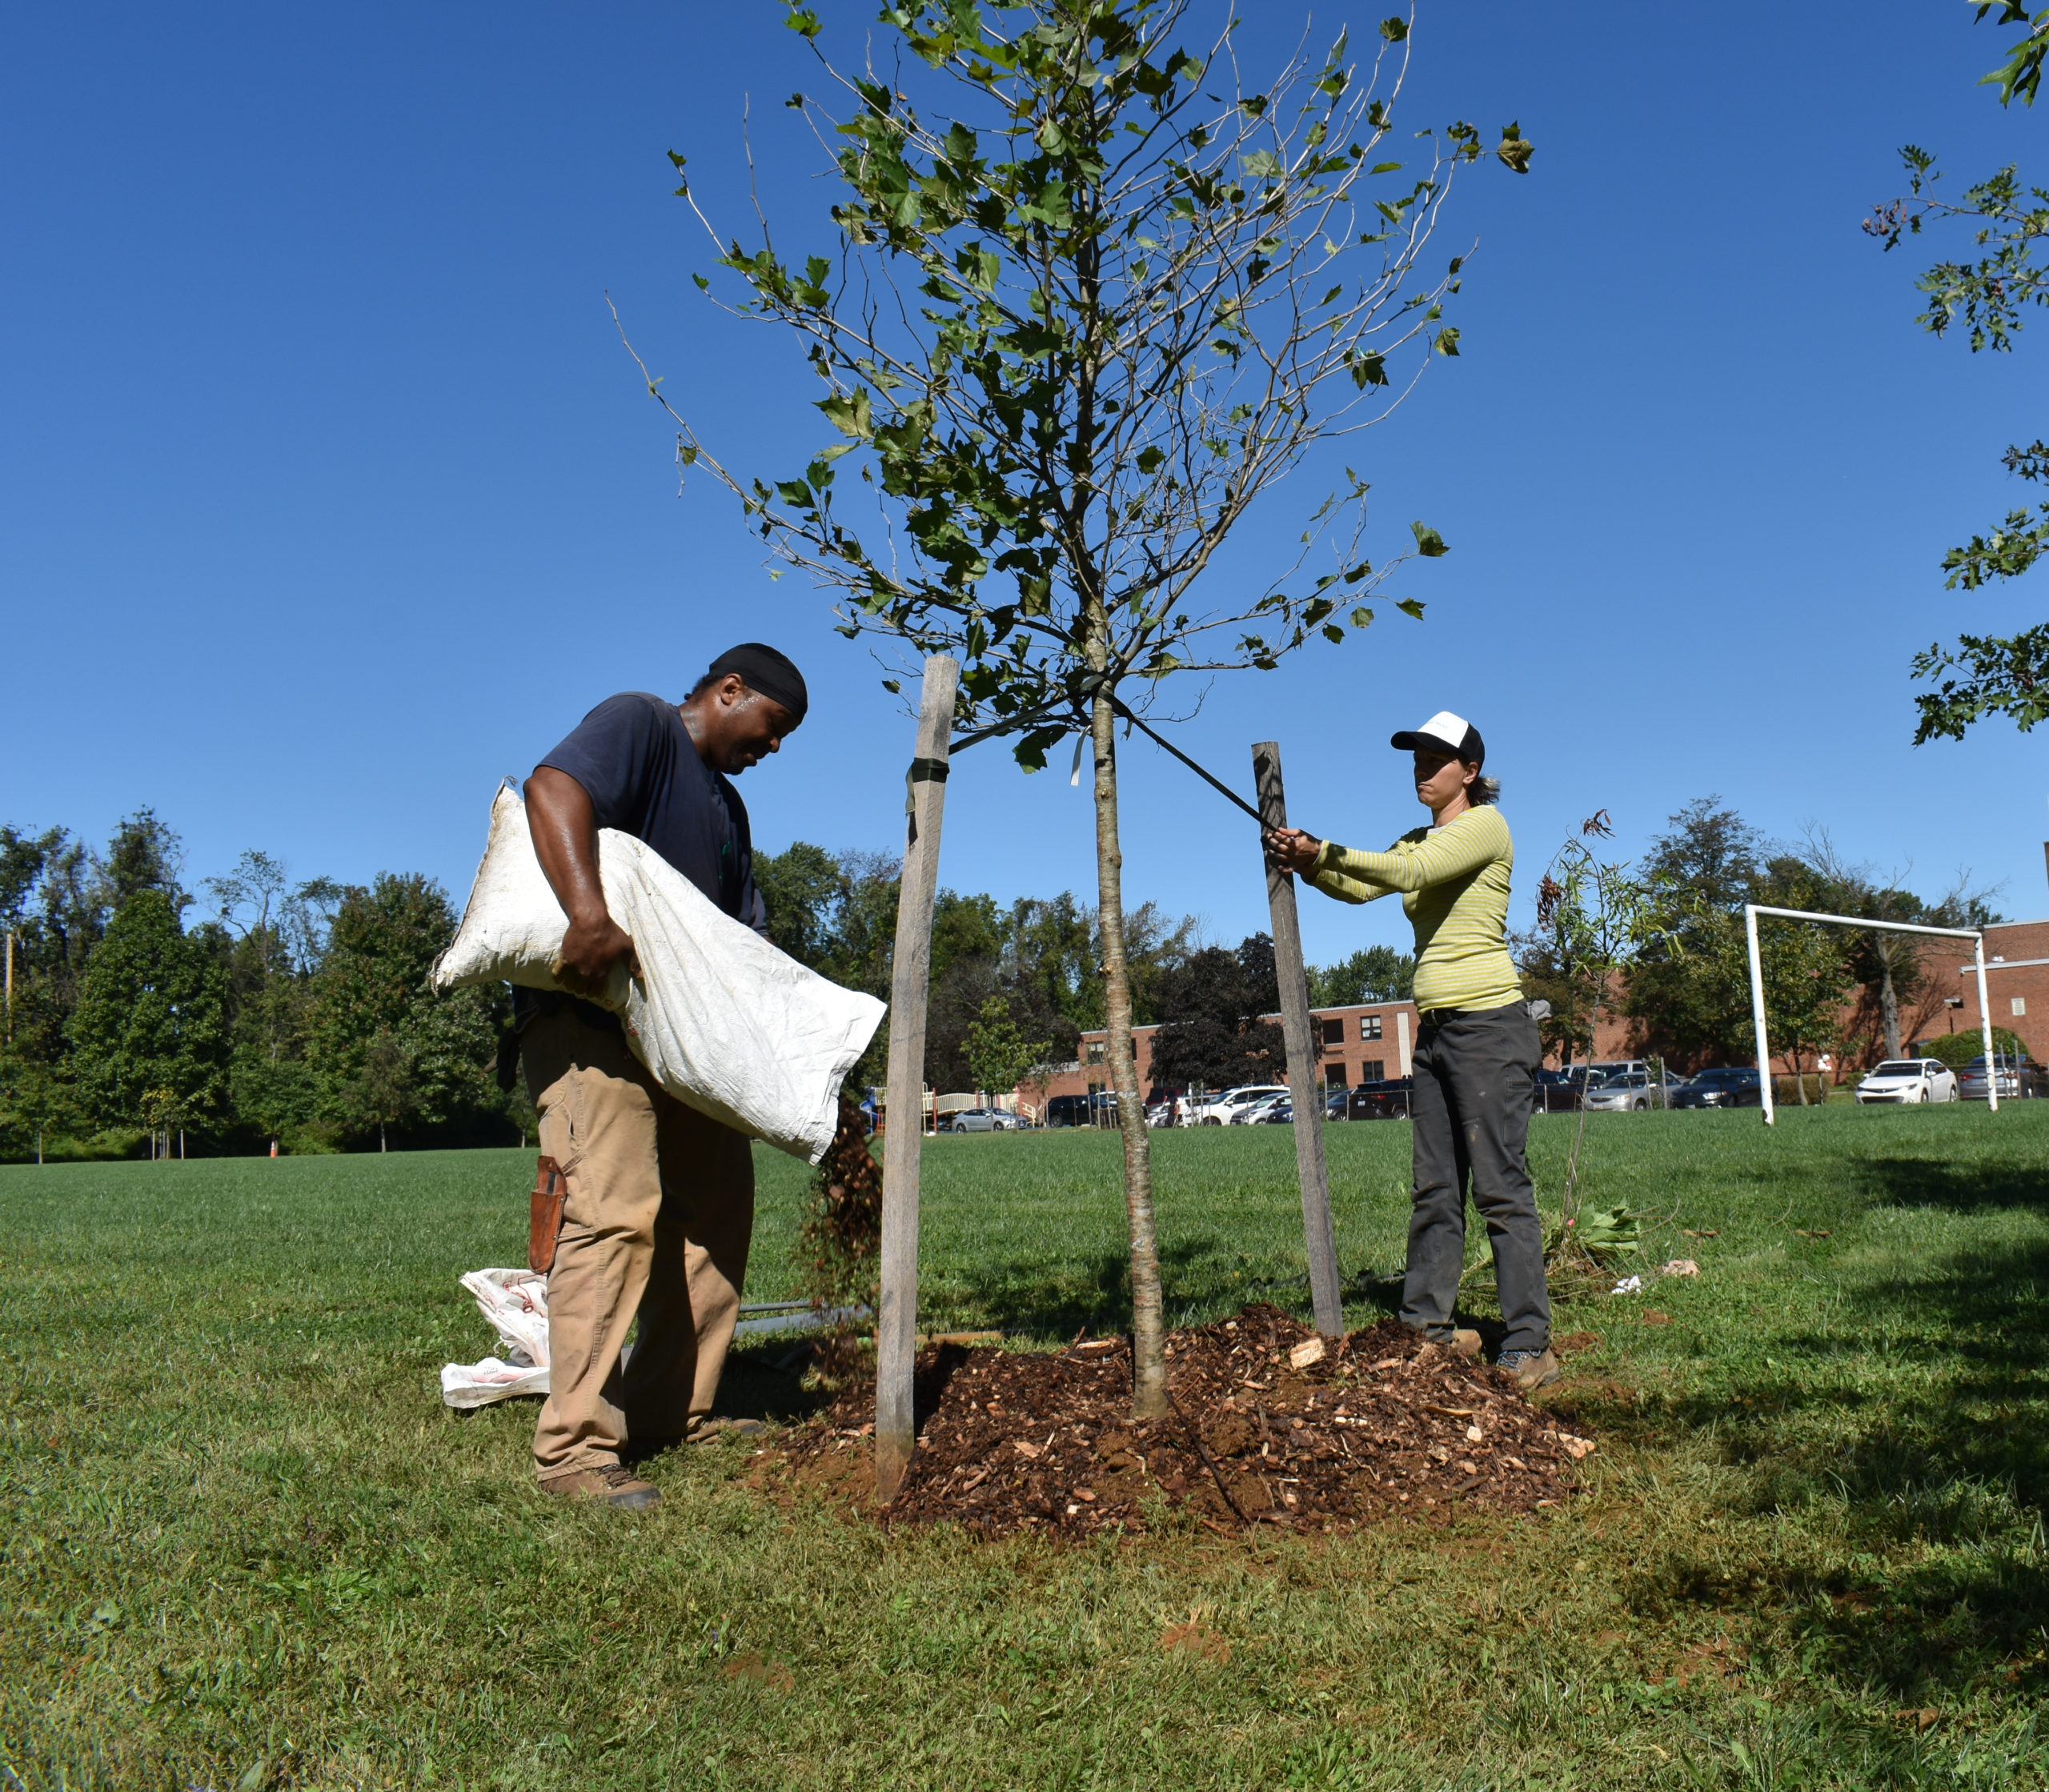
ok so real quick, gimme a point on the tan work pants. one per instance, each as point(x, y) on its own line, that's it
point(659, 1216)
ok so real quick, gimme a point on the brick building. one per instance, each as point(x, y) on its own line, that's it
point(2016, 984)
point(1362, 1043)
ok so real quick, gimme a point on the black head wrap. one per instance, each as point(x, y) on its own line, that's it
point(762, 668)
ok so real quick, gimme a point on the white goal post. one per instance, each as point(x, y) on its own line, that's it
point(1752, 910)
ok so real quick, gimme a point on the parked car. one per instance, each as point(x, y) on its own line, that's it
point(1557, 1091)
point(1725, 1086)
point(1275, 1113)
point(1608, 1068)
point(1218, 1110)
point(1900, 1080)
point(1082, 1110)
point(1630, 1091)
point(1248, 1113)
point(978, 1120)
point(2020, 1078)
point(1386, 1100)
point(1338, 1104)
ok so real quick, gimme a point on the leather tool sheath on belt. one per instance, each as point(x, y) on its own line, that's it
point(544, 1220)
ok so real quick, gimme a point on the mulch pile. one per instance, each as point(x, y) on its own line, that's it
point(1380, 1424)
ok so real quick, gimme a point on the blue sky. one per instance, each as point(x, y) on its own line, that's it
point(327, 496)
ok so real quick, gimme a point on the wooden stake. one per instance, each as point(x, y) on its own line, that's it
point(1304, 1049)
point(895, 1331)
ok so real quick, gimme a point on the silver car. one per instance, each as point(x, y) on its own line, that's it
point(1628, 1092)
point(1252, 1112)
point(2020, 1079)
point(978, 1120)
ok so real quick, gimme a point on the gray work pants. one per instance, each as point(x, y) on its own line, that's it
point(1471, 1109)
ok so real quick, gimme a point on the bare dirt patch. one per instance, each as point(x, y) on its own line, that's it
point(1380, 1425)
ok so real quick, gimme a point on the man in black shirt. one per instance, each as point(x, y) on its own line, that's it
point(660, 1206)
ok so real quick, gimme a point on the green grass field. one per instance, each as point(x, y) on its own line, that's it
point(245, 1545)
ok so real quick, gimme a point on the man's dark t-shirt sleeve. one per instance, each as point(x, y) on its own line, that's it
point(612, 753)
point(636, 762)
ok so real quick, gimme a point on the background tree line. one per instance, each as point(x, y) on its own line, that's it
point(264, 1009)
point(294, 1012)
point(1863, 995)
point(1015, 987)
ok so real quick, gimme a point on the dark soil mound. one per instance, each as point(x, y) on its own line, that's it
point(1383, 1425)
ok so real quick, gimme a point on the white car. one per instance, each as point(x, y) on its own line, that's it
point(1221, 1109)
point(1909, 1079)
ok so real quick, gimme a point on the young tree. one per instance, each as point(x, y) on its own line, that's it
point(1601, 916)
point(998, 1053)
point(1089, 303)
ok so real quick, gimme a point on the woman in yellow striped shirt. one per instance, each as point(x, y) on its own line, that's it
point(1476, 1049)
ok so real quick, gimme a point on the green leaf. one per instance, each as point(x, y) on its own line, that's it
point(1332, 633)
point(1361, 617)
point(1150, 460)
point(802, 21)
point(1447, 340)
point(1429, 542)
point(1394, 30)
point(850, 414)
point(704, 285)
point(1409, 607)
point(1384, 168)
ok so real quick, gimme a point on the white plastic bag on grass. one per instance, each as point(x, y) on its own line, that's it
point(516, 1302)
point(726, 1022)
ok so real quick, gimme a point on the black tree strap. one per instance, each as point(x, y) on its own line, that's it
point(922, 771)
point(1215, 783)
point(1088, 687)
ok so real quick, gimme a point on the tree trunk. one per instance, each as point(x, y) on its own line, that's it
point(1148, 1387)
point(1888, 1007)
point(381, 1145)
point(1799, 1078)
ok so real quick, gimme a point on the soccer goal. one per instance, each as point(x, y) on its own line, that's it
point(1752, 910)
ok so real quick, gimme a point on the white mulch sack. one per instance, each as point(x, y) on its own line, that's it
point(516, 1302)
point(726, 1022)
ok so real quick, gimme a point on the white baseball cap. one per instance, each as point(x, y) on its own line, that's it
point(1444, 733)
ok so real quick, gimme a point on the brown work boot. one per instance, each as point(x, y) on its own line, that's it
point(612, 1486)
point(1532, 1369)
point(1466, 1343)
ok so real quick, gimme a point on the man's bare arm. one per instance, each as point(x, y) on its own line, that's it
point(565, 830)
